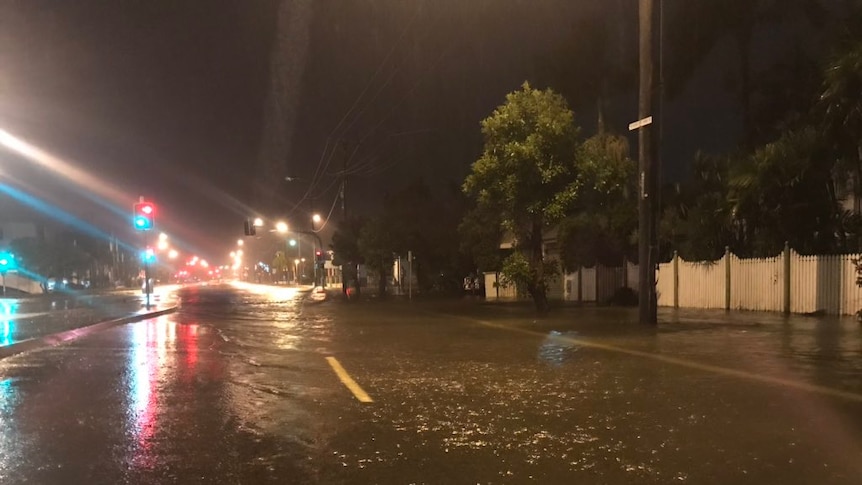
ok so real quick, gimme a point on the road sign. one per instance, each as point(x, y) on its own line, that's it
point(640, 123)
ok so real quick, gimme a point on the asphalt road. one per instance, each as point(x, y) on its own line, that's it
point(249, 384)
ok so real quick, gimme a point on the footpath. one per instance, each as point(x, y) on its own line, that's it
point(48, 320)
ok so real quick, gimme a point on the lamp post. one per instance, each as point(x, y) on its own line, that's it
point(315, 219)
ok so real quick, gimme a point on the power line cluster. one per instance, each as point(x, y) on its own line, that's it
point(324, 177)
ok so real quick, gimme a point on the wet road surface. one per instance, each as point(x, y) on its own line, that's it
point(249, 384)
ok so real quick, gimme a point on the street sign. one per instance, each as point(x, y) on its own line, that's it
point(640, 123)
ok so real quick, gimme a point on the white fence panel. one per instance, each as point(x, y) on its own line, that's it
point(828, 285)
point(633, 276)
point(757, 284)
point(588, 280)
point(803, 274)
point(495, 290)
point(851, 295)
point(571, 286)
point(702, 284)
point(608, 281)
point(664, 284)
point(818, 283)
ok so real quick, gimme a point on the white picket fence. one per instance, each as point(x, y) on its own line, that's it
point(786, 283)
point(596, 284)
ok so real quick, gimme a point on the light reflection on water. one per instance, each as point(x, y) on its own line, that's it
point(152, 360)
point(7, 329)
point(8, 431)
point(557, 346)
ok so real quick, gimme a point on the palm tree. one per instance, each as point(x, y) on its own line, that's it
point(841, 105)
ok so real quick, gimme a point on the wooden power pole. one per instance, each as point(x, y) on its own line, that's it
point(648, 142)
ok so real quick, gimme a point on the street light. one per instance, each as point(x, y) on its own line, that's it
point(316, 218)
point(172, 254)
point(258, 222)
point(240, 242)
point(281, 227)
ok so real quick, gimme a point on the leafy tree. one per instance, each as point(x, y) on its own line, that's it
point(526, 165)
point(480, 234)
point(784, 192)
point(602, 221)
point(377, 249)
point(697, 218)
point(345, 246)
point(841, 107)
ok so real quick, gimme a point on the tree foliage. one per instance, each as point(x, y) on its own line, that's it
point(525, 174)
point(376, 246)
point(602, 221)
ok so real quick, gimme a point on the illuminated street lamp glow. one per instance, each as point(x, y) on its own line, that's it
point(172, 254)
point(281, 226)
point(240, 242)
point(293, 242)
point(233, 254)
point(315, 218)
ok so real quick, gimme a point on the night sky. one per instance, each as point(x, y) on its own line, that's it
point(205, 106)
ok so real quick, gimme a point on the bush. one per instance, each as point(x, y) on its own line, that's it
point(624, 297)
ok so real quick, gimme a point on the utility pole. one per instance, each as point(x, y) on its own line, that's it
point(648, 130)
point(345, 160)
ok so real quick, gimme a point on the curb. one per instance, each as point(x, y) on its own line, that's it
point(60, 338)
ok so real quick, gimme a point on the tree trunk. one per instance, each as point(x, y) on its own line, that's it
point(537, 260)
point(381, 282)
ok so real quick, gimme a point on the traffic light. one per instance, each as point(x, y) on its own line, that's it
point(249, 228)
point(149, 256)
point(7, 261)
point(145, 216)
point(318, 255)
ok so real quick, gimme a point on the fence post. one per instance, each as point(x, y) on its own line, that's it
point(675, 279)
point(727, 278)
point(580, 284)
point(786, 278)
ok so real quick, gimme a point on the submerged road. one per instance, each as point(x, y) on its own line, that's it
point(253, 384)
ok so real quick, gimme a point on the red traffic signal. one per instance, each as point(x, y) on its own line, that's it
point(145, 216)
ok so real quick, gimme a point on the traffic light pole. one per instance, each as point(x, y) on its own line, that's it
point(146, 271)
point(317, 279)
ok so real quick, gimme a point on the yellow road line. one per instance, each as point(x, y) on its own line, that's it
point(348, 381)
point(740, 374)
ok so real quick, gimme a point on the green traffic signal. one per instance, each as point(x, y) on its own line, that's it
point(7, 261)
point(145, 213)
